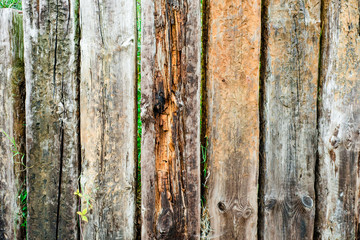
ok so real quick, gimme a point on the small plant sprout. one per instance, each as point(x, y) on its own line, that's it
point(78, 193)
point(83, 215)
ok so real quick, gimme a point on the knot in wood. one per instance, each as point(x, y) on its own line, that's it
point(335, 141)
point(221, 206)
point(270, 204)
point(240, 208)
point(307, 202)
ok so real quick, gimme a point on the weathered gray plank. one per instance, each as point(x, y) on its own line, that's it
point(170, 115)
point(291, 55)
point(108, 117)
point(12, 119)
point(232, 119)
point(51, 49)
point(339, 123)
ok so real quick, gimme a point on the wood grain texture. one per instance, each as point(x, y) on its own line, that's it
point(339, 123)
point(108, 117)
point(12, 119)
point(51, 48)
point(291, 56)
point(170, 115)
point(231, 102)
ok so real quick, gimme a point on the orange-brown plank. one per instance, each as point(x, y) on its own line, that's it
point(232, 119)
point(170, 117)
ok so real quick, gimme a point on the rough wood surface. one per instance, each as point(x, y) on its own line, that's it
point(232, 84)
point(12, 119)
point(51, 48)
point(170, 117)
point(339, 124)
point(108, 117)
point(291, 55)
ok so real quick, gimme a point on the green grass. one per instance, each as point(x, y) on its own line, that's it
point(17, 4)
point(23, 206)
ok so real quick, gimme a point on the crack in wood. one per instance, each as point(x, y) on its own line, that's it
point(100, 22)
point(61, 123)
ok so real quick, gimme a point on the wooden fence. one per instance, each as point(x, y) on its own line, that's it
point(250, 114)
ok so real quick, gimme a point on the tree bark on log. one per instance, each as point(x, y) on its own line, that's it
point(108, 117)
point(291, 56)
point(339, 123)
point(170, 104)
point(232, 117)
point(51, 69)
point(12, 123)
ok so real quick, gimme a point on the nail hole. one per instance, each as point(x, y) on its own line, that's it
point(223, 80)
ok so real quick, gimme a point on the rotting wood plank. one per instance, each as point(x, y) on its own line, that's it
point(291, 56)
point(108, 117)
point(170, 168)
point(338, 185)
point(51, 54)
point(12, 119)
point(232, 118)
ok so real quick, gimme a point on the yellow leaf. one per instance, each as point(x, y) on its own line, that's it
point(84, 211)
point(80, 213)
point(84, 218)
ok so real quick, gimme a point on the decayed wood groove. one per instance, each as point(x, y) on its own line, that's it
point(339, 141)
point(262, 159)
point(12, 119)
point(318, 113)
point(51, 115)
point(108, 117)
point(231, 103)
point(171, 117)
point(290, 104)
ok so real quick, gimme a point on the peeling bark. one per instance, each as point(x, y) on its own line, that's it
point(12, 120)
point(232, 84)
point(290, 104)
point(170, 116)
point(339, 140)
point(51, 48)
point(108, 117)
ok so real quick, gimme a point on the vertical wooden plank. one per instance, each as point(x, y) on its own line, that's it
point(108, 117)
point(12, 121)
point(170, 117)
point(232, 84)
point(291, 54)
point(51, 48)
point(339, 123)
